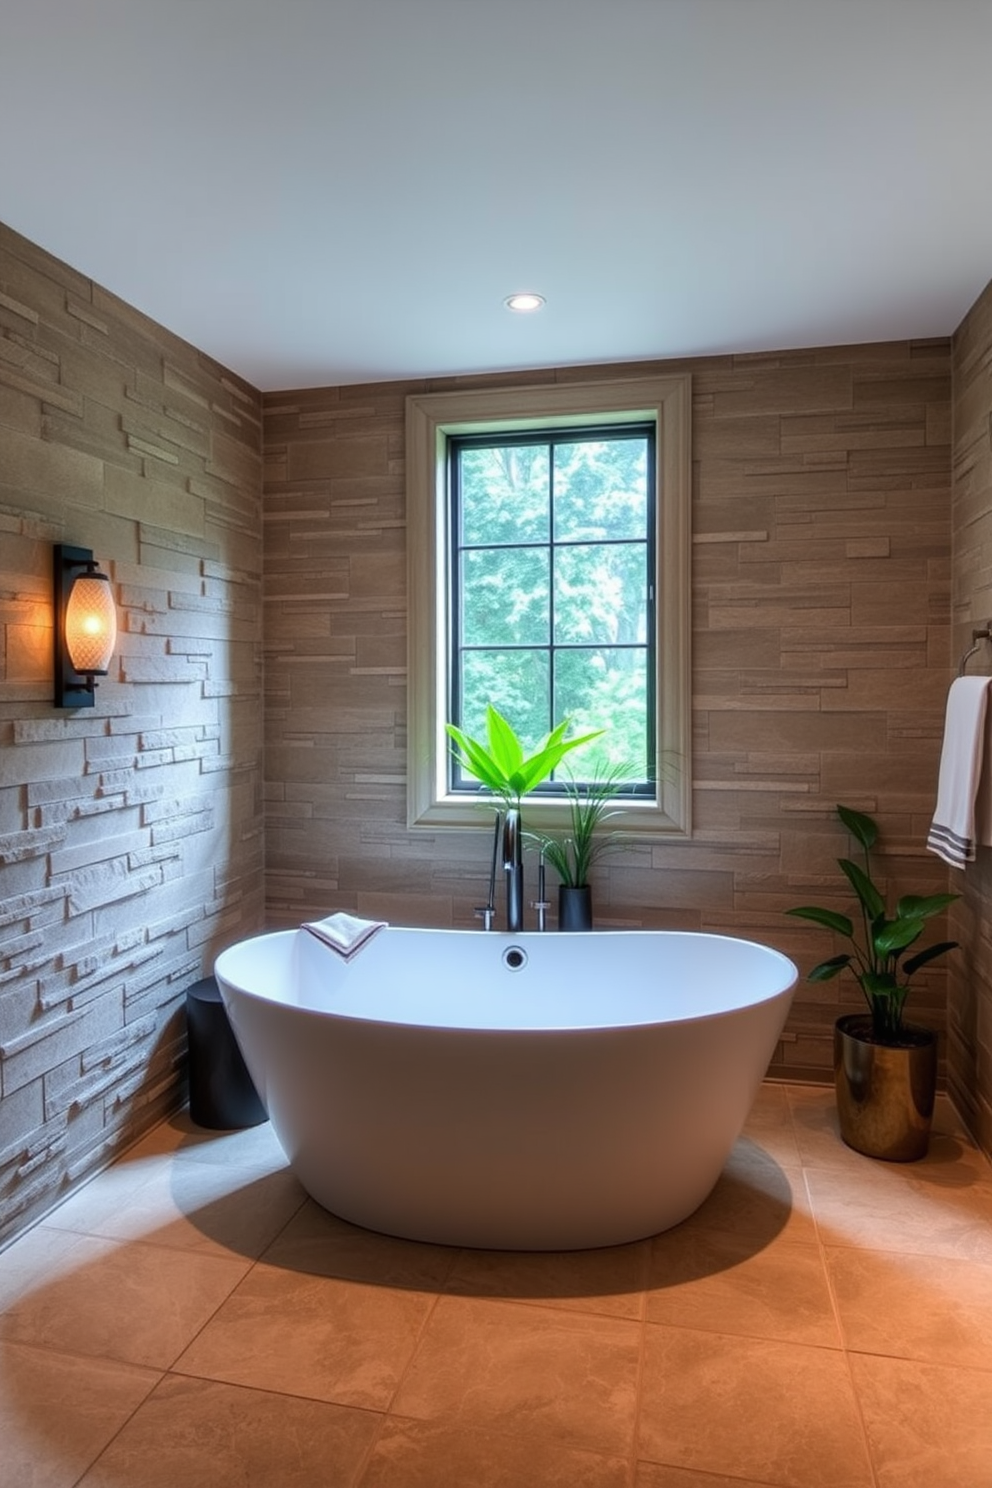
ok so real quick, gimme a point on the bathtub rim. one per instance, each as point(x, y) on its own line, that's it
point(781, 990)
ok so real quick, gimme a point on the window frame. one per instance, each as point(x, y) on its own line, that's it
point(430, 419)
point(555, 546)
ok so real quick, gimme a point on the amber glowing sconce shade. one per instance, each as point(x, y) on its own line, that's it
point(85, 626)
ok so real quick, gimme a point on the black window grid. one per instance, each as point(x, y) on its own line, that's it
point(457, 548)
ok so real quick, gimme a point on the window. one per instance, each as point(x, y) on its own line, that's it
point(548, 569)
point(551, 589)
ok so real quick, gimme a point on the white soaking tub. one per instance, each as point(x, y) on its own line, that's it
point(537, 1092)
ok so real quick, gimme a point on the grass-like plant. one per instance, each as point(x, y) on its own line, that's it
point(879, 940)
point(500, 763)
point(573, 854)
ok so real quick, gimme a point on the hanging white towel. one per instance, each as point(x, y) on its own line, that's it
point(344, 933)
point(956, 829)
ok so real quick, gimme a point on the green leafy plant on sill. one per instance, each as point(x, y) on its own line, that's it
point(573, 854)
point(879, 941)
point(500, 764)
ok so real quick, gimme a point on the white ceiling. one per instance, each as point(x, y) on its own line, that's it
point(328, 191)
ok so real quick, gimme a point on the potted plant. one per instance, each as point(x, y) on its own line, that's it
point(573, 854)
point(502, 767)
point(885, 1069)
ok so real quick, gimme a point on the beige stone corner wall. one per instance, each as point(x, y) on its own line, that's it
point(821, 496)
point(130, 833)
point(970, 991)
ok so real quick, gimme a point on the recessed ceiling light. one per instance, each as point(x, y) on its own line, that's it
point(524, 303)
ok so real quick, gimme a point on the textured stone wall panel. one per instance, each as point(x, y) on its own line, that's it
point(129, 851)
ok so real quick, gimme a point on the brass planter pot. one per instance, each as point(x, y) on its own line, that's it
point(885, 1094)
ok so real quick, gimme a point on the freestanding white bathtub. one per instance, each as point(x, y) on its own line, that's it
point(525, 1092)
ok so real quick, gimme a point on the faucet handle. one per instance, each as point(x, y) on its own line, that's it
point(542, 906)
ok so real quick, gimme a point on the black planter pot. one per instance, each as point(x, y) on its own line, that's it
point(885, 1093)
point(574, 908)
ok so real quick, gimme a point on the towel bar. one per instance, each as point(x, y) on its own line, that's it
point(982, 633)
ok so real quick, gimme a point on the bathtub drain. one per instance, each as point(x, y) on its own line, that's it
point(514, 959)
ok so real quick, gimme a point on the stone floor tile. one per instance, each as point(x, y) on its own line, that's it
point(58, 1412)
point(769, 1125)
point(202, 1434)
point(313, 1336)
point(726, 1284)
point(609, 1281)
point(910, 1307)
point(181, 1139)
point(929, 1425)
point(140, 1304)
point(757, 1197)
point(657, 1475)
point(781, 1413)
point(201, 1207)
point(526, 1371)
point(885, 1207)
point(37, 1258)
point(952, 1158)
point(429, 1454)
point(320, 1244)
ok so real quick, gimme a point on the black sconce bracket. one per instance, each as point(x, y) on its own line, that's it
point(72, 689)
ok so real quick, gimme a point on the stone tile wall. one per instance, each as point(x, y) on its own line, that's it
point(821, 500)
point(970, 992)
point(130, 833)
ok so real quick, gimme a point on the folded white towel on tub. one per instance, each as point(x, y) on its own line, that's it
point(344, 933)
point(957, 826)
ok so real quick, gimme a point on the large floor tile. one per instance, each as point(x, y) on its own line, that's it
point(181, 1140)
point(929, 1426)
point(106, 1196)
point(38, 1258)
point(952, 1159)
point(769, 1125)
point(756, 1196)
point(723, 1283)
point(527, 1371)
point(609, 1281)
point(780, 1413)
point(817, 1133)
point(141, 1304)
point(58, 1412)
point(192, 1206)
point(887, 1208)
point(314, 1336)
point(426, 1454)
point(321, 1244)
point(657, 1475)
point(197, 1434)
point(910, 1307)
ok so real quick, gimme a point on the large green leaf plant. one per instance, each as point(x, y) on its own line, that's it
point(878, 940)
point(500, 763)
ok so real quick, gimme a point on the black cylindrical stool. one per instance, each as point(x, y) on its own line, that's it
point(221, 1093)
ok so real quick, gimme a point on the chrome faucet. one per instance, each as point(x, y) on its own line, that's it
point(513, 864)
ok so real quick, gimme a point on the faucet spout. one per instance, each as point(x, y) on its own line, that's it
point(514, 867)
point(511, 839)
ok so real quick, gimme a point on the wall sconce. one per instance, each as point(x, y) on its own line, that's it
point(85, 626)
